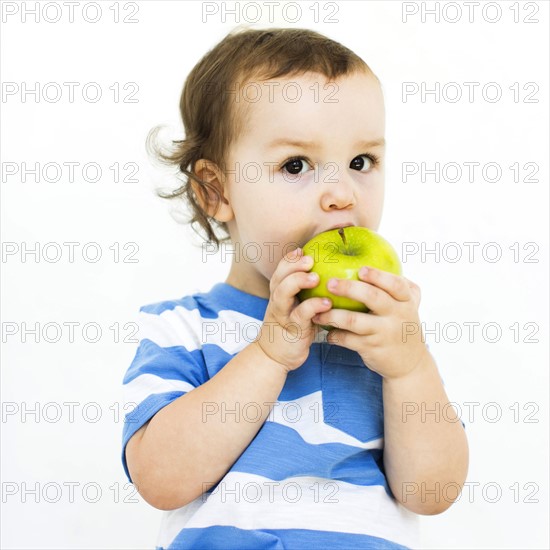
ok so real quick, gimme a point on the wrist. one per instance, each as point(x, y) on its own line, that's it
point(264, 357)
point(422, 364)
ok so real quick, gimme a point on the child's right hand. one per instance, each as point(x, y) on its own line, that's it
point(287, 331)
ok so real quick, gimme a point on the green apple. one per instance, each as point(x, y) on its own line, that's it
point(341, 253)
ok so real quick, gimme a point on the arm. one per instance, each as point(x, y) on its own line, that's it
point(192, 442)
point(425, 446)
point(422, 452)
point(184, 449)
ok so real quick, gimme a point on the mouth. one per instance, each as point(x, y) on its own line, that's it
point(338, 226)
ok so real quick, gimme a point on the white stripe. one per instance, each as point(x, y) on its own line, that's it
point(173, 521)
point(312, 503)
point(231, 330)
point(177, 327)
point(321, 336)
point(305, 415)
point(145, 385)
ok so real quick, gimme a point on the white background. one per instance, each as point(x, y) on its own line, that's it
point(157, 53)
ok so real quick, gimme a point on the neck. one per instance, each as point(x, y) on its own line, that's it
point(248, 280)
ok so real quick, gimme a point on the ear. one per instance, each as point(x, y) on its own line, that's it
point(209, 172)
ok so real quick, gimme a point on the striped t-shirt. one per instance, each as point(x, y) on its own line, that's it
point(313, 475)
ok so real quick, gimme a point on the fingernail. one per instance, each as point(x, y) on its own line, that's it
point(363, 271)
point(296, 252)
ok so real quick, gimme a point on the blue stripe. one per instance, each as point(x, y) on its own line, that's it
point(305, 380)
point(215, 358)
point(210, 303)
point(135, 419)
point(229, 538)
point(223, 294)
point(352, 399)
point(168, 305)
point(175, 363)
point(278, 452)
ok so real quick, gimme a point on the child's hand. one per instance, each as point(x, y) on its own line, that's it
point(388, 338)
point(287, 331)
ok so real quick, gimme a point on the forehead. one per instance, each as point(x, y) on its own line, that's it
point(311, 102)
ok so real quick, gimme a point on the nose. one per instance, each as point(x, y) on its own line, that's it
point(337, 190)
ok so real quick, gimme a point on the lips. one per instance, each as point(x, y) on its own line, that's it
point(337, 226)
point(340, 225)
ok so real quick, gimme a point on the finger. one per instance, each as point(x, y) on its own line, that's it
point(338, 337)
point(352, 321)
point(307, 309)
point(290, 263)
point(284, 294)
point(415, 292)
point(395, 285)
point(345, 339)
point(374, 298)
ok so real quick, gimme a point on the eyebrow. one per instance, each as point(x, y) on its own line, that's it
point(281, 142)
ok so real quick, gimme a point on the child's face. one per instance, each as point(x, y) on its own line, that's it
point(277, 205)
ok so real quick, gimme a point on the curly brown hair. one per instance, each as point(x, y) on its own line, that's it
point(211, 124)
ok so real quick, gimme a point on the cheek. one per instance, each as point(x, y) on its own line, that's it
point(379, 199)
point(373, 201)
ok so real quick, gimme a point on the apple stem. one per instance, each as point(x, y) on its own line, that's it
point(341, 233)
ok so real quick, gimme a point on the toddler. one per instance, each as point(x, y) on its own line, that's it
point(254, 427)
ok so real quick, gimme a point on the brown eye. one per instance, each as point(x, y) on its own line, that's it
point(358, 163)
point(294, 166)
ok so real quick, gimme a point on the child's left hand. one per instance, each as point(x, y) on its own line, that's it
point(389, 338)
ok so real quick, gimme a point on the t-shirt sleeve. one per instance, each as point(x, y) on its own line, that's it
point(168, 363)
